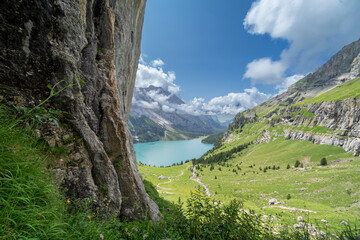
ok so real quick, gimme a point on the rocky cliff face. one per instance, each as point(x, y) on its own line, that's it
point(329, 121)
point(342, 67)
point(45, 41)
point(339, 123)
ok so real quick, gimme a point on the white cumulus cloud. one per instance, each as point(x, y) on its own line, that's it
point(230, 104)
point(234, 103)
point(157, 63)
point(313, 29)
point(147, 75)
point(166, 108)
point(158, 97)
point(147, 105)
point(265, 71)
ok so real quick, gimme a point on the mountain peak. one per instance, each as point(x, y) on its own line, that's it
point(344, 66)
point(149, 93)
point(322, 107)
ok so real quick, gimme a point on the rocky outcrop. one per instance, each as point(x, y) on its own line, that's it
point(342, 67)
point(349, 144)
point(342, 118)
point(45, 41)
point(339, 120)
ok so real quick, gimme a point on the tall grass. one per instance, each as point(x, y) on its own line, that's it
point(30, 205)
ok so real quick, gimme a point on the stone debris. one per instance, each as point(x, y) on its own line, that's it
point(273, 201)
point(344, 223)
point(299, 225)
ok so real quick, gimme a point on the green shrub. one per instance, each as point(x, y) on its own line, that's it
point(323, 162)
point(31, 207)
point(206, 219)
point(297, 163)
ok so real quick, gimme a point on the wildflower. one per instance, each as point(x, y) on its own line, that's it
point(68, 201)
point(101, 236)
point(168, 209)
point(134, 229)
point(89, 217)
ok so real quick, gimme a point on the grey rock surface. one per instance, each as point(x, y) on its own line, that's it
point(341, 68)
point(45, 41)
point(341, 118)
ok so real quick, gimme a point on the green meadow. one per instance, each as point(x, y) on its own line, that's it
point(315, 192)
point(347, 90)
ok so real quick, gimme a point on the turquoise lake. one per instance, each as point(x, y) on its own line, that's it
point(166, 153)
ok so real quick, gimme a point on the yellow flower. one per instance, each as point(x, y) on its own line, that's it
point(68, 201)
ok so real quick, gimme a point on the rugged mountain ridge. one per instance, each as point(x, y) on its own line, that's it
point(43, 42)
point(322, 107)
point(342, 67)
point(154, 121)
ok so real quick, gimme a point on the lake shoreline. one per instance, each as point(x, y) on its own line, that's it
point(168, 153)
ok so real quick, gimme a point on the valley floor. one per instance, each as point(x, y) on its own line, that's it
point(322, 195)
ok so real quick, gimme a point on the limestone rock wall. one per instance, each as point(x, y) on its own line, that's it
point(341, 117)
point(45, 41)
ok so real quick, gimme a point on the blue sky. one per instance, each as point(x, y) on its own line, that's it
point(234, 54)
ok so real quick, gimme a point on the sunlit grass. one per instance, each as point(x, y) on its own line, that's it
point(347, 90)
point(327, 192)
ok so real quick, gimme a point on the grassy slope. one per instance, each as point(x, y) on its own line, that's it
point(179, 186)
point(330, 191)
point(346, 90)
point(28, 199)
point(213, 138)
point(327, 192)
point(32, 207)
point(321, 189)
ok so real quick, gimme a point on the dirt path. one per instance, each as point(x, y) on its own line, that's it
point(160, 189)
point(291, 208)
point(249, 153)
point(207, 191)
